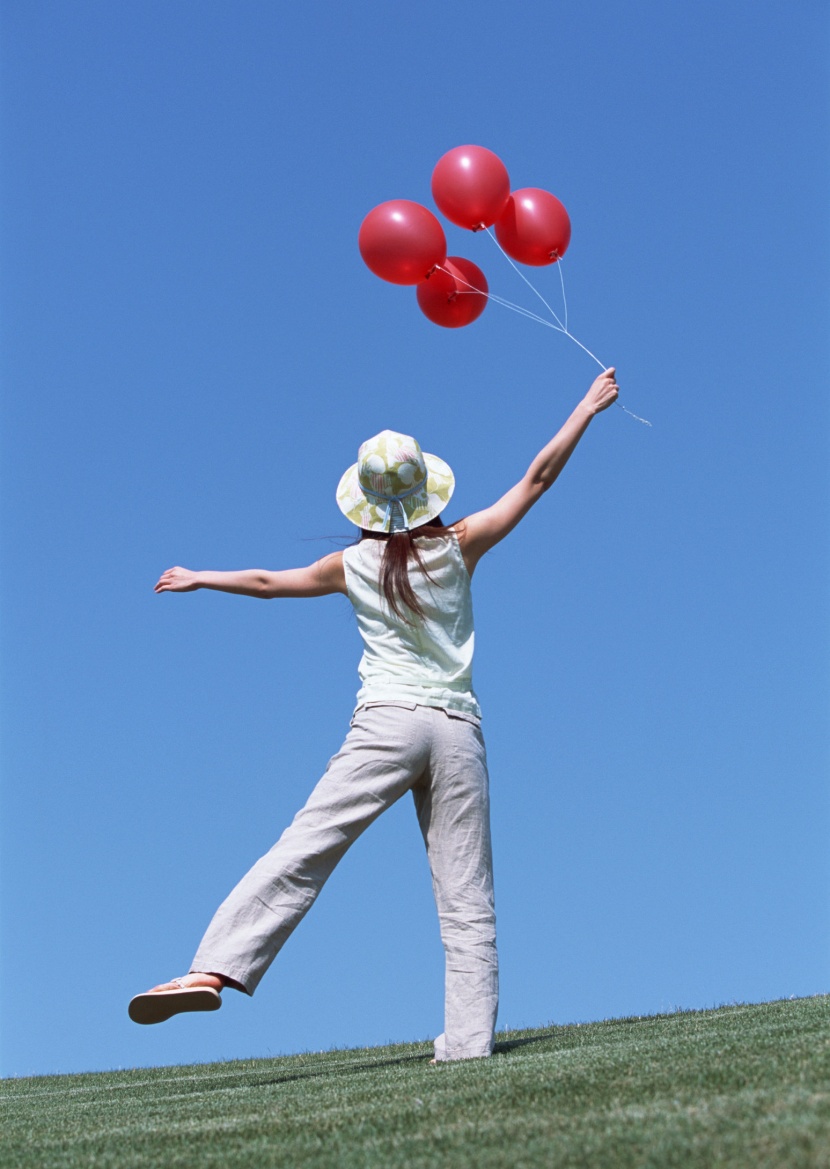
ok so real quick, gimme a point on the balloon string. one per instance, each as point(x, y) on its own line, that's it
point(559, 327)
point(562, 282)
point(516, 308)
point(532, 289)
point(471, 290)
point(562, 328)
point(631, 414)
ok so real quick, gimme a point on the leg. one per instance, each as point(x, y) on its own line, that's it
point(453, 806)
point(380, 760)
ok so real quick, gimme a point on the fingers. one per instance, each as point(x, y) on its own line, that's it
point(609, 378)
point(604, 391)
point(166, 581)
point(607, 375)
point(176, 580)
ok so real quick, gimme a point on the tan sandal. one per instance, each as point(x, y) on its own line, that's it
point(172, 998)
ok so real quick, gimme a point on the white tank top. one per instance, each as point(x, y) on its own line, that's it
point(430, 661)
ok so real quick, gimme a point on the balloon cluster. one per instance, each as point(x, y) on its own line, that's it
point(404, 243)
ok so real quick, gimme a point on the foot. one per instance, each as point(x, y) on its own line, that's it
point(192, 992)
point(189, 981)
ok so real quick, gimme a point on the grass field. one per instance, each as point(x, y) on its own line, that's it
point(737, 1086)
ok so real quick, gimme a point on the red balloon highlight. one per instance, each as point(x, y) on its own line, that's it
point(534, 227)
point(455, 294)
point(471, 186)
point(401, 241)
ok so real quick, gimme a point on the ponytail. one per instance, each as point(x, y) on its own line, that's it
point(395, 583)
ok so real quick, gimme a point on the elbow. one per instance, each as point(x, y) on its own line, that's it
point(539, 484)
point(546, 481)
point(265, 587)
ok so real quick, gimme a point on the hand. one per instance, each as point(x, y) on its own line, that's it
point(176, 580)
point(603, 393)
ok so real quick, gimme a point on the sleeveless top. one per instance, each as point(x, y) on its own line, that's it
point(428, 662)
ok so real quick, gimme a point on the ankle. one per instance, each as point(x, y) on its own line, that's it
point(231, 983)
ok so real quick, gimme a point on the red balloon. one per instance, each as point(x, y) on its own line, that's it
point(471, 186)
point(534, 227)
point(455, 294)
point(401, 241)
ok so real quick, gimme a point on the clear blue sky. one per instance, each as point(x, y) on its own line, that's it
point(193, 351)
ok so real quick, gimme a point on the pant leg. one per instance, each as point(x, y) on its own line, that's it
point(453, 805)
point(382, 757)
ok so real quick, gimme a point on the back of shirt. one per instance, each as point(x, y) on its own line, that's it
point(426, 662)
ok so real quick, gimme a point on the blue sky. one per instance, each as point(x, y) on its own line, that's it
point(193, 351)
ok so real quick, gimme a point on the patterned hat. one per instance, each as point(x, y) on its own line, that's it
point(394, 486)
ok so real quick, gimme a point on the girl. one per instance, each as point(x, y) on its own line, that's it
point(416, 726)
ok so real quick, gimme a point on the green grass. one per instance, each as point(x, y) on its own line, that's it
point(737, 1086)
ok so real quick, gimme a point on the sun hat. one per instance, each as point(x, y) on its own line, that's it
point(394, 486)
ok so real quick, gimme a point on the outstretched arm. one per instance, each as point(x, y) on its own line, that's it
point(482, 530)
point(317, 580)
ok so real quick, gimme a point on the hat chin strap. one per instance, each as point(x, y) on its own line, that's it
point(395, 518)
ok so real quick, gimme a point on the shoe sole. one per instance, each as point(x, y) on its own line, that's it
point(159, 1005)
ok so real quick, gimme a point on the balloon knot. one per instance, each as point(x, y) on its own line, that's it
point(479, 227)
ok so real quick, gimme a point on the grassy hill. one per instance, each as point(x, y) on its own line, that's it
point(737, 1086)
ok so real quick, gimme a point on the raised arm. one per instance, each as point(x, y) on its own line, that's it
point(482, 530)
point(317, 580)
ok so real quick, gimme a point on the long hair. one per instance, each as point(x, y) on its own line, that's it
point(401, 549)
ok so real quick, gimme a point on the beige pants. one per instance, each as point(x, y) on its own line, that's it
point(391, 749)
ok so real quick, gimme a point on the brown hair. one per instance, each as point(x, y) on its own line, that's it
point(401, 548)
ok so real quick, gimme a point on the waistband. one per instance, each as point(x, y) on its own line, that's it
point(463, 715)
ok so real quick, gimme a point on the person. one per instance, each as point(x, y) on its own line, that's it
point(416, 726)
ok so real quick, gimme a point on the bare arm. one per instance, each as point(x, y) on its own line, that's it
point(484, 529)
point(317, 580)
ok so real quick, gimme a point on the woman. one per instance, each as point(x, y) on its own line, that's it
point(416, 726)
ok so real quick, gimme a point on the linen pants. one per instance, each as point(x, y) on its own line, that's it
point(390, 749)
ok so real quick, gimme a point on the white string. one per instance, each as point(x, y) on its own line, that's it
point(530, 286)
point(498, 299)
point(559, 327)
point(559, 264)
point(631, 414)
point(521, 310)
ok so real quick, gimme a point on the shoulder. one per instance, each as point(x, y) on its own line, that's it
point(360, 563)
point(360, 552)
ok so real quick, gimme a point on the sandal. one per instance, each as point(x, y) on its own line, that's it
point(155, 1006)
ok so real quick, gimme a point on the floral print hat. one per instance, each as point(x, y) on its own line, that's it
point(394, 486)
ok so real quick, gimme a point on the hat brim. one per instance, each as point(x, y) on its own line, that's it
point(374, 515)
